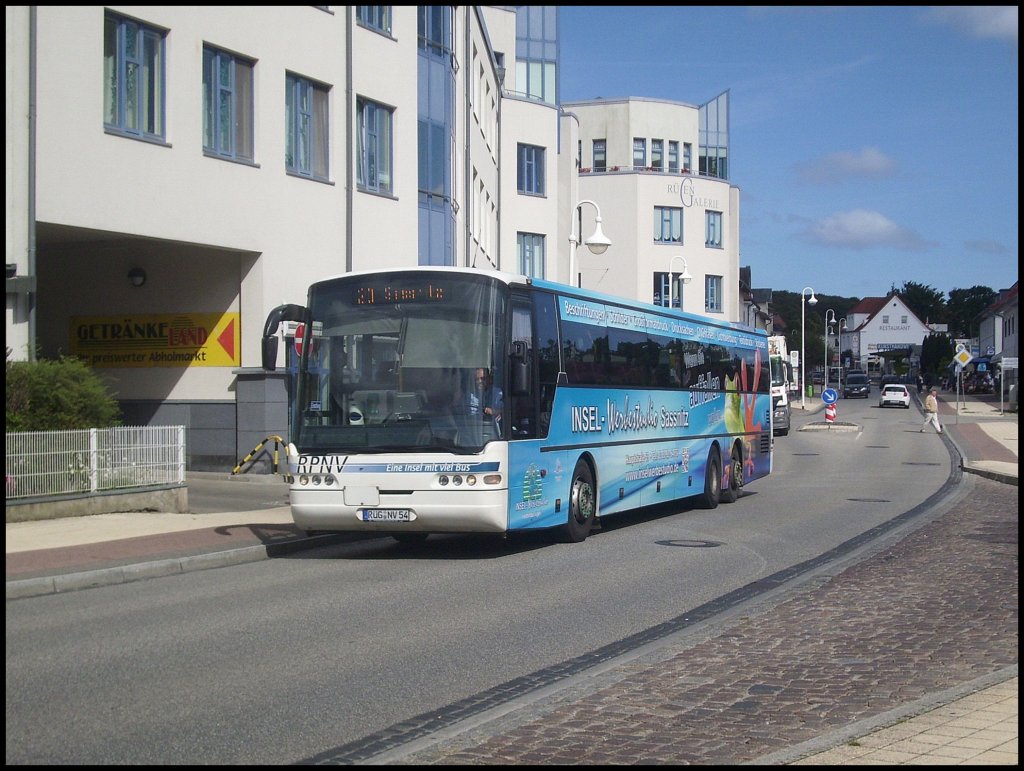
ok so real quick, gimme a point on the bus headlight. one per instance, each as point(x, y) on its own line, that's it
point(443, 480)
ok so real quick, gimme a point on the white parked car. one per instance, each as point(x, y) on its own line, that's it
point(895, 394)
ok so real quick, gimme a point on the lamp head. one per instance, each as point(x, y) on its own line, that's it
point(598, 243)
point(137, 276)
point(813, 300)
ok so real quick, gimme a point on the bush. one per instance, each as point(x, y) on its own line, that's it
point(57, 394)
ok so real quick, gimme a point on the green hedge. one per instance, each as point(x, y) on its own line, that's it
point(57, 394)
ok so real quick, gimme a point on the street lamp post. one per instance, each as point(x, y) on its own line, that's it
point(685, 277)
point(830, 318)
point(598, 243)
point(803, 342)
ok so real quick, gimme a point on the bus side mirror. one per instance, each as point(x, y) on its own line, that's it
point(270, 353)
point(274, 318)
point(520, 369)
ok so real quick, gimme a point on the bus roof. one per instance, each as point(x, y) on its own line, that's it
point(512, 279)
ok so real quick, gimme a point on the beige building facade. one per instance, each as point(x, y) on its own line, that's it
point(174, 173)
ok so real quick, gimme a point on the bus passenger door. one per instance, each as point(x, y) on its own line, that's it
point(522, 406)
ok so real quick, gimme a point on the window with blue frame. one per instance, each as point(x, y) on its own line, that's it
point(668, 225)
point(713, 229)
point(639, 153)
point(373, 146)
point(530, 169)
point(306, 127)
point(531, 254)
point(657, 154)
point(133, 78)
point(673, 155)
point(600, 155)
point(227, 105)
point(376, 17)
point(712, 294)
point(668, 288)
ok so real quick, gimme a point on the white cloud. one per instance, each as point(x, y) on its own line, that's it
point(863, 229)
point(869, 163)
point(982, 21)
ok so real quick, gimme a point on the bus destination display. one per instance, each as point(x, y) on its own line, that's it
point(388, 295)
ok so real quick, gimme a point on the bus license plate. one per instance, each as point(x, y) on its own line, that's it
point(385, 515)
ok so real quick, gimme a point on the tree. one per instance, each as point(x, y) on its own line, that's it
point(927, 303)
point(964, 306)
point(936, 354)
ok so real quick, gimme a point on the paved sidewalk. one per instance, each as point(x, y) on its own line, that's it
point(929, 623)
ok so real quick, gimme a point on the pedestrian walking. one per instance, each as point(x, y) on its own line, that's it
point(931, 411)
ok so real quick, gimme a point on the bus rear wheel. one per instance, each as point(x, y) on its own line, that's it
point(731, 492)
point(712, 481)
point(582, 504)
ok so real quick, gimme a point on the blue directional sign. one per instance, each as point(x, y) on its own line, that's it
point(830, 396)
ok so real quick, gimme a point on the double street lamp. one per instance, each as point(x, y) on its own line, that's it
point(685, 277)
point(598, 243)
point(803, 342)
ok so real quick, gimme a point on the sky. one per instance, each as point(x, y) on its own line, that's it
point(872, 146)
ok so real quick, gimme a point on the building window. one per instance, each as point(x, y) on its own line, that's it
point(600, 155)
point(657, 154)
point(305, 127)
point(373, 148)
point(712, 294)
point(376, 17)
point(713, 229)
point(434, 29)
point(227, 105)
point(885, 319)
point(673, 156)
point(687, 156)
point(903, 319)
point(530, 170)
point(537, 52)
point(664, 292)
point(713, 119)
point(668, 225)
point(639, 153)
point(531, 254)
point(133, 78)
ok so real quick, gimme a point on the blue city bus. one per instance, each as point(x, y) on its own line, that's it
point(603, 405)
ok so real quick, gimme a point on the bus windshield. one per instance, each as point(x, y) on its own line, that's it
point(401, 362)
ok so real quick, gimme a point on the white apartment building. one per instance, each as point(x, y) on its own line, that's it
point(175, 172)
point(658, 170)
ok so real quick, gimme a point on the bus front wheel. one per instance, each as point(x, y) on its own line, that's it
point(582, 504)
point(712, 481)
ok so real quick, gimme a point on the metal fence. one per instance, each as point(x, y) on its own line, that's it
point(47, 463)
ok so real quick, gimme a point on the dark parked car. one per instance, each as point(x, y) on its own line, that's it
point(857, 386)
